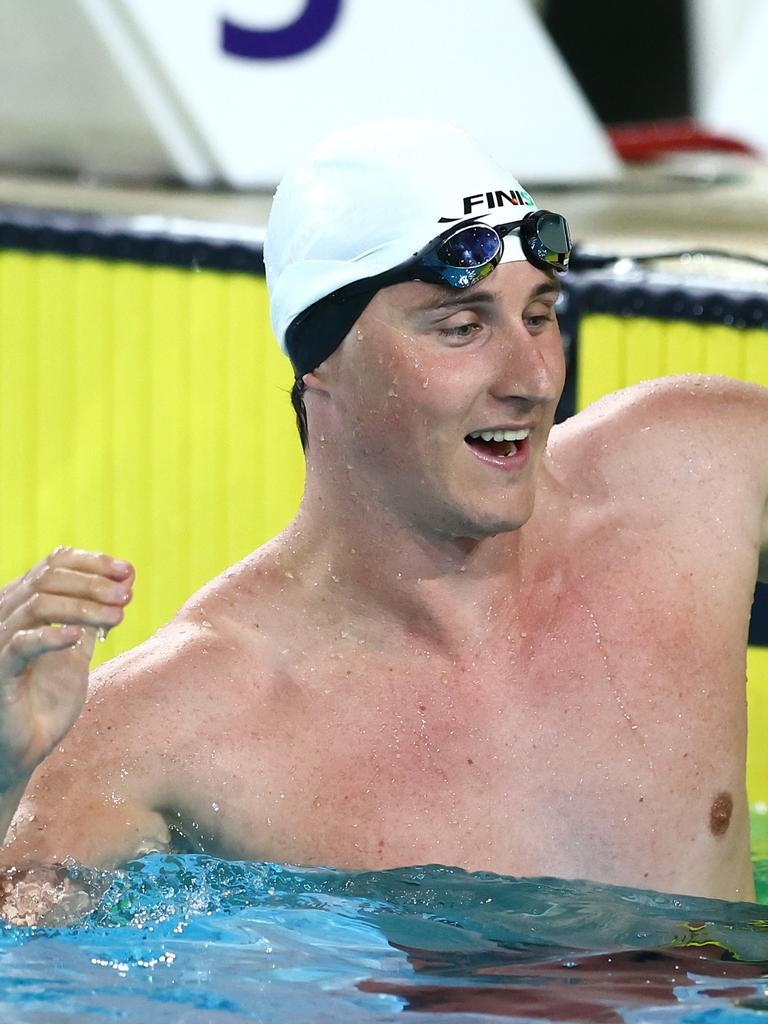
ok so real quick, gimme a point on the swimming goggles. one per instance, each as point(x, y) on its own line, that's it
point(459, 257)
point(462, 256)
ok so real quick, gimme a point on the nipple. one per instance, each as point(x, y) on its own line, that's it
point(720, 814)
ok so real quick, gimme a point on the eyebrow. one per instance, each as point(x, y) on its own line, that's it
point(469, 297)
point(552, 287)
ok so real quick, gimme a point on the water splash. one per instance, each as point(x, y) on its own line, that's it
point(176, 935)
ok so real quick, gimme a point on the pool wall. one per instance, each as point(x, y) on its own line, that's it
point(147, 401)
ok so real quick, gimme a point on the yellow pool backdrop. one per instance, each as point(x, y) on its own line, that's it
point(144, 412)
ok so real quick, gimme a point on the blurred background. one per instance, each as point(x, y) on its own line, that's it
point(143, 402)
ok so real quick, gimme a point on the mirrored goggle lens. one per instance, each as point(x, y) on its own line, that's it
point(551, 241)
point(469, 248)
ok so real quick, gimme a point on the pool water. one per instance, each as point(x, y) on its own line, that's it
point(196, 939)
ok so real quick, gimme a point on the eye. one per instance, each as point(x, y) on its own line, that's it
point(539, 320)
point(461, 331)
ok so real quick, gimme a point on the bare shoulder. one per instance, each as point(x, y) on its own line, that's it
point(691, 421)
point(99, 796)
point(152, 712)
point(688, 398)
point(159, 693)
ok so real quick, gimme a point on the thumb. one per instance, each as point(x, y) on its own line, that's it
point(85, 646)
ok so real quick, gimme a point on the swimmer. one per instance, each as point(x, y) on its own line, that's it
point(483, 641)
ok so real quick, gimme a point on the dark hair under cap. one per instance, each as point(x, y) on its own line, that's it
point(317, 332)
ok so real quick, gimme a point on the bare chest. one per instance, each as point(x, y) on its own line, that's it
point(591, 733)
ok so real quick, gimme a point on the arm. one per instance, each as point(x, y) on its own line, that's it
point(740, 411)
point(94, 799)
point(49, 619)
point(732, 417)
point(710, 432)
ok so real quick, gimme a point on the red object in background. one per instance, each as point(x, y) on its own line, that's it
point(646, 140)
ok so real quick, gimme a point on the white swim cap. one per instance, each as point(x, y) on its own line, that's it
point(368, 198)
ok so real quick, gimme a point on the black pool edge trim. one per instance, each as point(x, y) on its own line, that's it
point(166, 241)
point(663, 296)
point(150, 239)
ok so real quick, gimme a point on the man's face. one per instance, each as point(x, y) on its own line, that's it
point(427, 366)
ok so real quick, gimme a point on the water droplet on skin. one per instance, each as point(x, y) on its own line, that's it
point(215, 807)
point(102, 634)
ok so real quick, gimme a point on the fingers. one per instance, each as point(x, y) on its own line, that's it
point(55, 607)
point(28, 644)
point(91, 562)
point(7, 589)
point(73, 573)
point(71, 583)
point(43, 609)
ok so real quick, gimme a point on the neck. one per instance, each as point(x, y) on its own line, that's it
point(439, 588)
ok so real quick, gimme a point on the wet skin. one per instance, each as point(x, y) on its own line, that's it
point(535, 672)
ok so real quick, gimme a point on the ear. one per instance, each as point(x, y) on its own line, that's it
point(316, 379)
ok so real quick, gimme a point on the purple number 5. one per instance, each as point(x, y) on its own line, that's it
point(312, 25)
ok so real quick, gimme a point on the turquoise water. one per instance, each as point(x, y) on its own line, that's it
point(196, 939)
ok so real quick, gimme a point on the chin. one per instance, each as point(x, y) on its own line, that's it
point(489, 517)
point(490, 527)
point(477, 524)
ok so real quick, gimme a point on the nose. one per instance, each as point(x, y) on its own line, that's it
point(527, 367)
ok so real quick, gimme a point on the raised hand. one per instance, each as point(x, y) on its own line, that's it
point(49, 620)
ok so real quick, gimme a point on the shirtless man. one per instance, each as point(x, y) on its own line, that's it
point(523, 655)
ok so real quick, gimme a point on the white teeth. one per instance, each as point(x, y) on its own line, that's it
point(500, 435)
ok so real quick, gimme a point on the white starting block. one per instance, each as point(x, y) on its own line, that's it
point(231, 92)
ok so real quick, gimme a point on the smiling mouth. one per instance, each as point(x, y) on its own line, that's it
point(497, 443)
